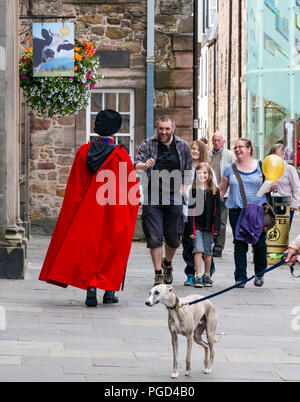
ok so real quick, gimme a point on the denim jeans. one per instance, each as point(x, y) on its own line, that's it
point(291, 217)
point(187, 253)
point(241, 249)
point(220, 240)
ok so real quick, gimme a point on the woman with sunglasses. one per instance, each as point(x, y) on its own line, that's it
point(252, 178)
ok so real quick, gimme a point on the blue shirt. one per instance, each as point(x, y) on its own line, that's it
point(252, 182)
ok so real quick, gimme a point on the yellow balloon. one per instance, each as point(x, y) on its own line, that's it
point(273, 167)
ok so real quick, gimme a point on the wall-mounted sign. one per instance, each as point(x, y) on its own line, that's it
point(53, 49)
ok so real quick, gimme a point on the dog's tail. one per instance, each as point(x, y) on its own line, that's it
point(219, 337)
point(213, 313)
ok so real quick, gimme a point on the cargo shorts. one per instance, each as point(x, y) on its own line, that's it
point(163, 222)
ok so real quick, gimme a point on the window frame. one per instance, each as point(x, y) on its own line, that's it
point(131, 114)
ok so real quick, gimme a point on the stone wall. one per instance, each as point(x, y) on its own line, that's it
point(118, 26)
point(222, 62)
point(53, 147)
point(174, 63)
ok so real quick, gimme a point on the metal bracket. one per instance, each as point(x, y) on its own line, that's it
point(46, 17)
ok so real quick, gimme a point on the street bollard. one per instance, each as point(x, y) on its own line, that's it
point(278, 237)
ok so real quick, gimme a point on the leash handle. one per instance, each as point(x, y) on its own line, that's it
point(292, 268)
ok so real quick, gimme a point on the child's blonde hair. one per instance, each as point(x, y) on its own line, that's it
point(210, 181)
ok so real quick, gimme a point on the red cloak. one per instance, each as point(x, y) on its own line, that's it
point(91, 243)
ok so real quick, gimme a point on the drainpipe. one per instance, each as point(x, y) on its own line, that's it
point(214, 44)
point(195, 73)
point(229, 77)
point(215, 85)
point(150, 69)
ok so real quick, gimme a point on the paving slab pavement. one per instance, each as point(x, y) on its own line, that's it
point(51, 336)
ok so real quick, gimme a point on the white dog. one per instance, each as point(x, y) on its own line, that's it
point(190, 321)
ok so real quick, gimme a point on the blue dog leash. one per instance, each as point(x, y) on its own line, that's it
point(292, 268)
point(282, 262)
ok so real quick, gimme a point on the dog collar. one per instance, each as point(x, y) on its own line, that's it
point(176, 307)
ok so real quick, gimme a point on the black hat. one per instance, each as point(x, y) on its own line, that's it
point(108, 122)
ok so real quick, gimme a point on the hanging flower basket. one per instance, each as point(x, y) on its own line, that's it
point(61, 96)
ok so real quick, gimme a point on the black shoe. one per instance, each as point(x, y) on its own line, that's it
point(241, 286)
point(259, 281)
point(109, 297)
point(91, 297)
point(217, 253)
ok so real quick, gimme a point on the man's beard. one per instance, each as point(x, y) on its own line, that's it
point(167, 137)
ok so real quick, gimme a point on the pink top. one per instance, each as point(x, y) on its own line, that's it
point(289, 184)
point(296, 244)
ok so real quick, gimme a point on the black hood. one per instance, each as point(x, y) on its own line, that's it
point(98, 154)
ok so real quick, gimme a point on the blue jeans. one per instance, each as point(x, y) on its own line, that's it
point(187, 253)
point(291, 217)
point(241, 249)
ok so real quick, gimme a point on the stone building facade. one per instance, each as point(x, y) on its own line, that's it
point(226, 71)
point(250, 56)
point(120, 27)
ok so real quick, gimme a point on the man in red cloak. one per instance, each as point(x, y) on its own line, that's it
point(92, 239)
